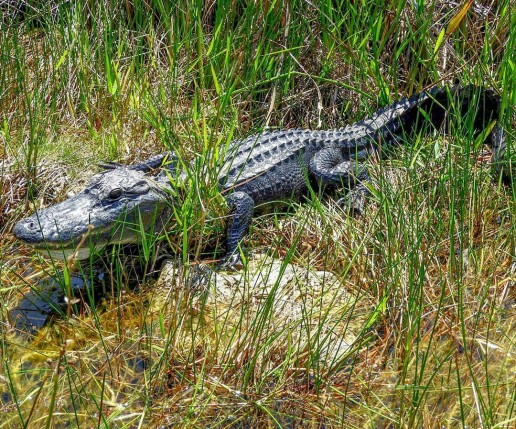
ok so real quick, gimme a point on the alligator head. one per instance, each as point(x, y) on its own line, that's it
point(114, 208)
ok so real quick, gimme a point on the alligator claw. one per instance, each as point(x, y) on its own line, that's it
point(232, 262)
point(199, 276)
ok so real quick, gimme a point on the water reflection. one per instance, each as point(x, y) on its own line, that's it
point(48, 298)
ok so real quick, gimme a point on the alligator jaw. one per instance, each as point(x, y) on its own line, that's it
point(65, 253)
point(93, 241)
point(90, 243)
point(61, 244)
point(66, 250)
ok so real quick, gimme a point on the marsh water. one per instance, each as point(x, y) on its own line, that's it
point(51, 296)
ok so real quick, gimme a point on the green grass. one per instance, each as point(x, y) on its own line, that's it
point(425, 280)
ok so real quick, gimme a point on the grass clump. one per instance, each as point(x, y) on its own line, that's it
point(416, 326)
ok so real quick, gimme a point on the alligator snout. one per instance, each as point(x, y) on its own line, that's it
point(46, 227)
point(42, 232)
point(28, 230)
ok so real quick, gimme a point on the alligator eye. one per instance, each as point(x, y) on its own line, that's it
point(115, 194)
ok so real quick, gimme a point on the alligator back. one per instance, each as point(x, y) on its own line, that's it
point(258, 155)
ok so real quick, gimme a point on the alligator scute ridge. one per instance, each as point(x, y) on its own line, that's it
point(258, 169)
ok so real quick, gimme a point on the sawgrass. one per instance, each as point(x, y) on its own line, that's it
point(430, 267)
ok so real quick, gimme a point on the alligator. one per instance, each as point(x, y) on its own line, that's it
point(259, 169)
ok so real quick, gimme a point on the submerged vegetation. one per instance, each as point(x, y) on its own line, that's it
point(403, 317)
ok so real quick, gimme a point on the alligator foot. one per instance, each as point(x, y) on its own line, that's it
point(355, 200)
point(199, 276)
point(353, 204)
point(231, 262)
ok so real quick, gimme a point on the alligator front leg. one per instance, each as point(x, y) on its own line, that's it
point(331, 168)
point(241, 207)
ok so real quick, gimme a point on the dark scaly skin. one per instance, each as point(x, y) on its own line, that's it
point(260, 169)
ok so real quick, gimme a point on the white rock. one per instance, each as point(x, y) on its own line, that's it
point(303, 309)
